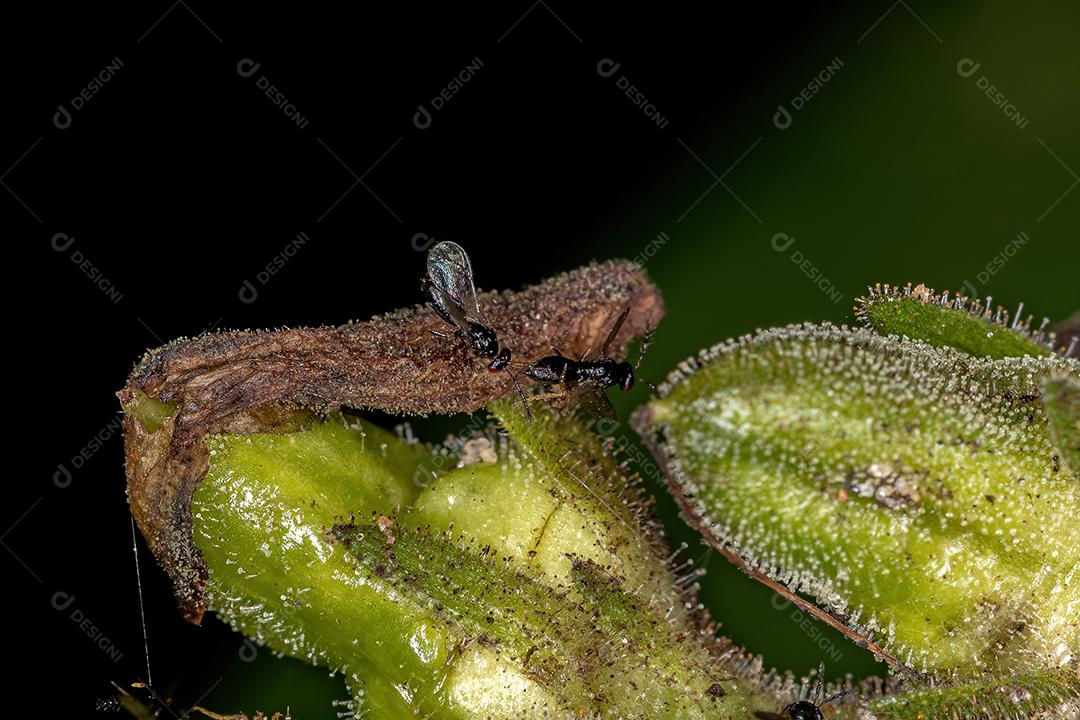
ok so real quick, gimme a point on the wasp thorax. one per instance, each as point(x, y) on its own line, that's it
point(484, 340)
point(500, 361)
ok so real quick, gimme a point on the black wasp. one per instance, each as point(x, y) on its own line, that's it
point(449, 283)
point(806, 709)
point(589, 378)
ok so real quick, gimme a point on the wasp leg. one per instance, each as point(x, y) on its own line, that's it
point(548, 395)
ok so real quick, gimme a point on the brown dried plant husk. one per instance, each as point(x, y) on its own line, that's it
point(280, 380)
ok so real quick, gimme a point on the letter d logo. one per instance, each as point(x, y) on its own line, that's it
point(248, 651)
point(781, 242)
point(967, 67)
point(606, 427)
point(62, 600)
point(421, 118)
point(62, 477)
point(782, 118)
point(607, 67)
point(61, 118)
point(61, 242)
point(248, 294)
point(247, 67)
point(422, 241)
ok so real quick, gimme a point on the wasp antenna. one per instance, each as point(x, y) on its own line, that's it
point(837, 696)
point(819, 686)
point(645, 340)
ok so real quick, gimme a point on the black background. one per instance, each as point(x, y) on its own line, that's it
point(180, 180)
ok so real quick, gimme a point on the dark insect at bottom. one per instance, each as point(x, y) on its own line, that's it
point(806, 709)
point(586, 379)
point(139, 700)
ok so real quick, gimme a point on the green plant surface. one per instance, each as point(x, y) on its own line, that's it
point(1048, 694)
point(260, 517)
point(966, 325)
point(911, 490)
point(532, 649)
point(603, 516)
point(1061, 399)
point(150, 412)
point(482, 592)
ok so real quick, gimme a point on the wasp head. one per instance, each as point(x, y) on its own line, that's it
point(803, 710)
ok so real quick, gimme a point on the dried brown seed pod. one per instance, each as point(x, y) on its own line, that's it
point(277, 381)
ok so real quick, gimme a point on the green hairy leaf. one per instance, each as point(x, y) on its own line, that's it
point(488, 580)
point(967, 325)
point(1051, 694)
point(913, 491)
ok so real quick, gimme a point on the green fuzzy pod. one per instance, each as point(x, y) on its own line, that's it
point(915, 492)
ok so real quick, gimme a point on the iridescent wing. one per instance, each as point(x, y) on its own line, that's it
point(593, 400)
point(584, 396)
point(450, 283)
